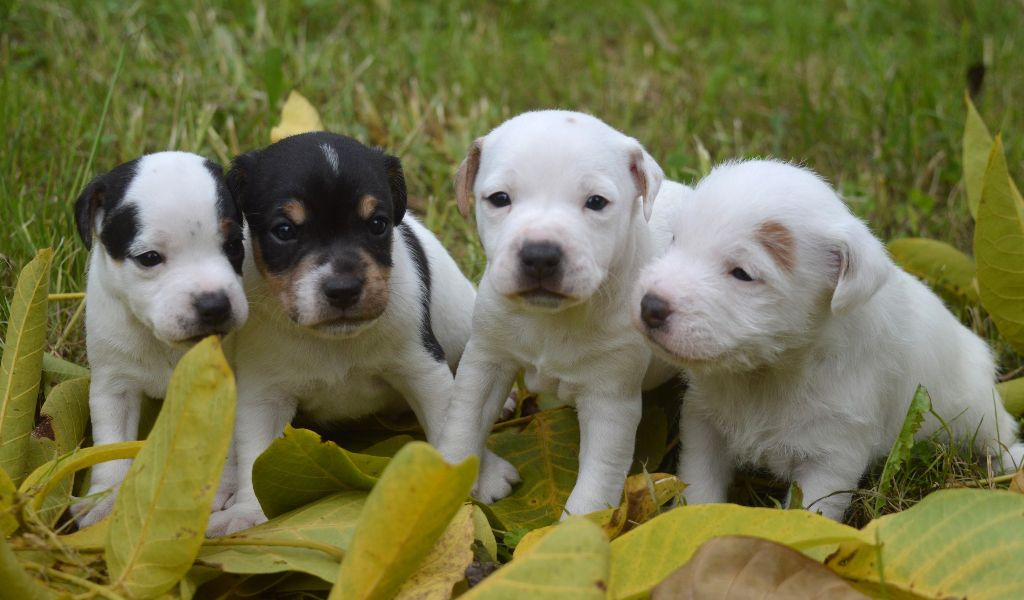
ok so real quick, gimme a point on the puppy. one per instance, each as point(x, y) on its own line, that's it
point(165, 273)
point(357, 308)
point(562, 208)
point(803, 342)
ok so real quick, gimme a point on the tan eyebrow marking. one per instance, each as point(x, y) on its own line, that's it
point(295, 210)
point(780, 243)
point(367, 204)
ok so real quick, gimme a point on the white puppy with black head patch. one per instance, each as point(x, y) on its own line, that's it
point(165, 272)
point(803, 342)
point(562, 208)
point(357, 307)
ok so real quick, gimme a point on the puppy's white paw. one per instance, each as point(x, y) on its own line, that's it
point(234, 519)
point(508, 410)
point(497, 476)
point(92, 509)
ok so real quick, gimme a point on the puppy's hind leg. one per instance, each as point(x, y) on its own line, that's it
point(827, 483)
point(481, 386)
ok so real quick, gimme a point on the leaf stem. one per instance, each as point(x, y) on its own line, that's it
point(333, 551)
point(95, 588)
point(66, 296)
point(987, 482)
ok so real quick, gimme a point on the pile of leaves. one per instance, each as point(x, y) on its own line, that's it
point(393, 520)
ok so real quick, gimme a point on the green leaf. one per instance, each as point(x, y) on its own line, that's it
point(63, 421)
point(1012, 394)
point(645, 556)
point(999, 249)
point(8, 520)
point(899, 454)
point(953, 544)
point(330, 520)
point(977, 144)
point(546, 453)
point(58, 368)
point(299, 468)
point(569, 562)
point(949, 271)
point(22, 364)
point(16, 582)
point(739, 567)
point(161, 511)
point(405, 514)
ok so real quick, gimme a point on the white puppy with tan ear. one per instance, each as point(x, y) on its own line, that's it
point(562, 208)
point(803, 342)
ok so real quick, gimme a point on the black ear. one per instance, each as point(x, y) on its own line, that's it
point(242, 169)
point(396, 179)
point(86, 206)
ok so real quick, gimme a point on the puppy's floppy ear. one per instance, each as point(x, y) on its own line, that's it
point(88, 203)
point(396, 180)
point(465, 177)
point(237, 180)
point(863, 267)
point(647, 176)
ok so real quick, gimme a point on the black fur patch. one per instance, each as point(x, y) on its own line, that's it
point(423, 270)
point(119, 230)
point(105, 192)
point(228, 211)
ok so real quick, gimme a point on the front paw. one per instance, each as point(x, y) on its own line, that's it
point(234, 519)
point(497, 476)
point(97, 505)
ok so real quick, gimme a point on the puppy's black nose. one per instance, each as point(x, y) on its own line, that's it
point(654, 310)
point(540, 259)
point(343, 291)
point(213, 308)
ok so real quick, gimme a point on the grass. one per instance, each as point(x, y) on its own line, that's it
point(867, 93)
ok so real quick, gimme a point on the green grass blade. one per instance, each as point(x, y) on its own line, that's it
point(22, 364)
point(900, 452)
point(161, 511)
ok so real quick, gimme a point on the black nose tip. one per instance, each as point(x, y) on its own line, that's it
point(213, 308)
point(540, 259)
point(654, 310)
point(343, 291)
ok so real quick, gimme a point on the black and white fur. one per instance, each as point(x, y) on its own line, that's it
point(357, 308)
point(165, 271)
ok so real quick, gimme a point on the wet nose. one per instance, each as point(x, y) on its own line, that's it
point(342, 291)
point(654, 310)
point(540, 259)
point(213, 308)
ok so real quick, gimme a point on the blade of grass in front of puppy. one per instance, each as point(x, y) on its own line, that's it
point(900, 452)
point(22, 365)
point(162, 508)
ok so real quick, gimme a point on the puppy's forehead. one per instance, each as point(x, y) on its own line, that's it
point(178, 191)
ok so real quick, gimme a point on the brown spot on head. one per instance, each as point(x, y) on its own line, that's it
point(465, 178)
point(282, 285)
point(367, 205)
point(779, 241)
point(295, 210)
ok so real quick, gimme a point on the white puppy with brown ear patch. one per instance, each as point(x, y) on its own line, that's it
point(803, 341)
point(562, 207)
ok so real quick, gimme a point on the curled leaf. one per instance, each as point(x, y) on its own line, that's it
point(297, 116)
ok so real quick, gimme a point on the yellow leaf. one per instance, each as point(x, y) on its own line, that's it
point(22, 364)
point(1012, 394)
point(949, 271)
point(162, 508)
point(999, 249)
point(738, 567)
point(645, 556)
point(571, 562)
point(977, 142)
point(642, 497)
point(407, 511)
point(446, 564)
point(297, 116)
point(955, 543)
point(15, 581)
point(8, 521)
point(483, 533)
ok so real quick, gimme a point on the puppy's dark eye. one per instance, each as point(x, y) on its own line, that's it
point(284, 231)
point(149, 259)
point(378, 225)
point(596, 202)
point(740, 274)
point(233, 248)
point(499, 199)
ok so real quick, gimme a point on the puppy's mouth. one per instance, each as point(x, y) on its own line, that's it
point(342, 326)
point(543, 298)
point(195, 339)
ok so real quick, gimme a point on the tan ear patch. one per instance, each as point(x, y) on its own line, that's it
point(636, 170)
point(780, 243)
point(367, 206)
point(465, 178)
point(295, 210)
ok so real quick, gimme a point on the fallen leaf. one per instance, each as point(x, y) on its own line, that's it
point(297, 116)
point(446, 564)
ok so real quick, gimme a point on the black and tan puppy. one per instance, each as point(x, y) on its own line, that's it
point(355, 307)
